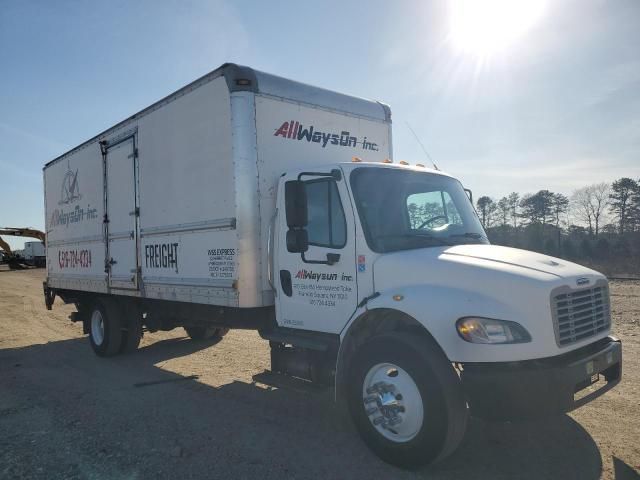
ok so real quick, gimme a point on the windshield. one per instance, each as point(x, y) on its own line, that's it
point(401, 210)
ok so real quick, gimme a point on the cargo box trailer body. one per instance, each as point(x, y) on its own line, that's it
point(175, 202)
point(241, 201)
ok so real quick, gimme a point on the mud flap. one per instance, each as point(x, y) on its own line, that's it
point(49, 295)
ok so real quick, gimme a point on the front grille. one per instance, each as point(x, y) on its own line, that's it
point(580, 314)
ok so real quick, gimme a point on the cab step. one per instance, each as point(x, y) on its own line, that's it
point(321, 342)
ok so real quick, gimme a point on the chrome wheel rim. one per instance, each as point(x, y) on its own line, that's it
point(392, 402)
point(97, 327)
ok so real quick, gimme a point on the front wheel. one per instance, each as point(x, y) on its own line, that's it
point(406, 400)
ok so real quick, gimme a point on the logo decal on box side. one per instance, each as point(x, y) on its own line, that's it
point(69, 192)
point(294, 130)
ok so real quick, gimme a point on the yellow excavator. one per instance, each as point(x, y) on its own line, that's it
point(10, 257)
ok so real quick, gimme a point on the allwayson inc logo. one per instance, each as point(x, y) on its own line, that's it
point(294, 130)
point(69, 194)
point(317, 276)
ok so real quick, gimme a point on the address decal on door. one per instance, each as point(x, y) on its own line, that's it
point(323, 289)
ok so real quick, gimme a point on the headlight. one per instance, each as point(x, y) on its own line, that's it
point(488, 330)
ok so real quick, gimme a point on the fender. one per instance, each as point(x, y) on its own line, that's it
point(436, 309)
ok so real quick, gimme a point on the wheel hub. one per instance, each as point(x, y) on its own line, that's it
point(393, 402)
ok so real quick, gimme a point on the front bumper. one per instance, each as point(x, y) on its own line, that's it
point(534, 388)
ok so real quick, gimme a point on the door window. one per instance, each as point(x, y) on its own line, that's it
point(326, 225)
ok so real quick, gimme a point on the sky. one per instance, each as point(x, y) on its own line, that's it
point(554, 103)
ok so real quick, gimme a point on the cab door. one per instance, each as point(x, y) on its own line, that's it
point(317, 289)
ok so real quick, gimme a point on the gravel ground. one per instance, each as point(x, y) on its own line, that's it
point(183, 409)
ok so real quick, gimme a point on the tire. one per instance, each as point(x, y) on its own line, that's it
point(432, 410)
point(131, 334)
point(105, 328)
point(204, 333)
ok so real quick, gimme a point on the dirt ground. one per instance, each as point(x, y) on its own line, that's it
point(182, 409)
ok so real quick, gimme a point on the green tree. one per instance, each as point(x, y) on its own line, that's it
point(622, 205)
point(486, 208)
point(585, 248)
point(568, 249)
point(504, 210)
point(538, 208)
point(514, 203)
point(603, 249)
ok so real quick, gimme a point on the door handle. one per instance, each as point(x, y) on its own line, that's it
point(285, 282)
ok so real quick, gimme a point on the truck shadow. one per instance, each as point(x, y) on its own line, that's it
point(251, 429)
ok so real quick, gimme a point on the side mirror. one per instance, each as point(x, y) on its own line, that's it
point(469, 194)
point(295, 201)
point(297, 241)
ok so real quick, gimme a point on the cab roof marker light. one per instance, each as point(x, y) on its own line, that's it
point(420, 165)
point(402, 162)
point(387, 160)
point(356, 159)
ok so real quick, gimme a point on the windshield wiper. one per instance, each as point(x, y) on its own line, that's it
point(431, 237)
point(475, 235)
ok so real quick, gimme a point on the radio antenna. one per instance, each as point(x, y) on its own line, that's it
point(422, 146)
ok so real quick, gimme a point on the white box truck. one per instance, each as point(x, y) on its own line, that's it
point(34, 253)
point(236, 202)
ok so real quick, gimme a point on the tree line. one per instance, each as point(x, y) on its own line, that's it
point(598, 224)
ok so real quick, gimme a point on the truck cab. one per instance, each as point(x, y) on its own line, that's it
point(392, 262)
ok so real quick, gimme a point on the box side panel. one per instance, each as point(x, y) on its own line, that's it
point(74, 211)
point(186, 198)
point(187, 207)
point(292, 135)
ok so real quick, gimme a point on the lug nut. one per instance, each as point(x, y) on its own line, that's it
point(370, 399)
point(395, 421)
point(371, 410)
point(376, 388)
point(399, 397)
point(379, 420)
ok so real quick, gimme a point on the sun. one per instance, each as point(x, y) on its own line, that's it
point(485, 28)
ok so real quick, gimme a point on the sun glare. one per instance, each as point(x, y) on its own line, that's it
point(487, 27)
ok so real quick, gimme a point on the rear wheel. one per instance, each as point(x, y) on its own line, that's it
point(406, 400)
point(105, 328)
point(203, 333)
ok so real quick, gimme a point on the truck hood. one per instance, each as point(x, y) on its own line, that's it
point(439, 285)
point(492, 260)
point(518, 258)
